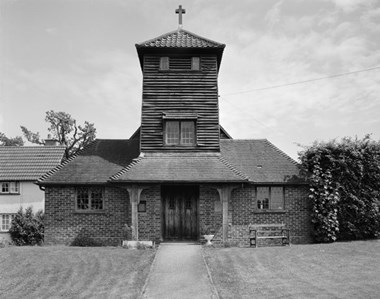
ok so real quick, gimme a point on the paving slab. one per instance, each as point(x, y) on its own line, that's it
point(179, 271)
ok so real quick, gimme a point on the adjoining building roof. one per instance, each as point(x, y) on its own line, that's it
point(261, 161)
point(180, 167)
point(180, 39)
point(95, 164)
point(118, 161)
point(28, 163)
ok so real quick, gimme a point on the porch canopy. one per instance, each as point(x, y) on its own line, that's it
point(180, 168)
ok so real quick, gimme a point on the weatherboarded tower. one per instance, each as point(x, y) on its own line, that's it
point(180, 92)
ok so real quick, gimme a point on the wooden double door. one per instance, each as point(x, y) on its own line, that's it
point(180, 212)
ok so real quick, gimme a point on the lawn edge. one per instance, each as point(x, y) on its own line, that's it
point(141, 295)
point(214, 290)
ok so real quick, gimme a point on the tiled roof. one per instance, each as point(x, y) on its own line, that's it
point(180, 167)
point(257, 161)
point(28, 163)
point(95, 164)
point(180, 39)
point(260, 160)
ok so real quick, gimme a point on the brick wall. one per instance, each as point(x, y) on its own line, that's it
point(296, 215)
point(210, 209)
point(242, 212)
point(63, 224)
point(150, 221)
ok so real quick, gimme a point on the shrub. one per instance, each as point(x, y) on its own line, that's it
point(5, 243)
point(27, 228)
point(83, 241)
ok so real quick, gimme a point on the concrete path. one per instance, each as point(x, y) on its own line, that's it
point(179, 271)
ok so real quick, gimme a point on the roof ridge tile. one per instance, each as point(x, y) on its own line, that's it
point(281, 152)
point(125, 169)
point(233, 168)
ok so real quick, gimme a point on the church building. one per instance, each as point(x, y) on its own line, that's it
point(180, 174)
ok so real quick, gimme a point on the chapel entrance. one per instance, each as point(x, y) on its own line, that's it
point(180, 212)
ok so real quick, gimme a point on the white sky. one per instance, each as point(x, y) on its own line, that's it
point(79, 56)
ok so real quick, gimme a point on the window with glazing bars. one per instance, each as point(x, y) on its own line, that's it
point(10, 187)
point(179, 132)
point(180, 63)
point(6, 221)
point(90, 198)
point(270, 198)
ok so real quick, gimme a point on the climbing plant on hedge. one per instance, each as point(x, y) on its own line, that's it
point(323, 195)
point(344, 188)
point(27, 228)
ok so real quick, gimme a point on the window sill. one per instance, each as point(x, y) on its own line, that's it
point(180, 71)
point(174, 146)
point(270, 211)
point(89, 212)
point(3, 193)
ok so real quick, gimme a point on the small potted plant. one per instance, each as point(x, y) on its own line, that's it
point(208, 233)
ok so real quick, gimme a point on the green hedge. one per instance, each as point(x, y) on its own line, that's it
point(344, 188)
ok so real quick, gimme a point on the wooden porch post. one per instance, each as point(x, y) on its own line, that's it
point(134, 197)
point(225, 197)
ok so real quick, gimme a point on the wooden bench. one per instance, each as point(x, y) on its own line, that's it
point(268, 231)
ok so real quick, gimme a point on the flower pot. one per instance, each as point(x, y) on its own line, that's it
point(208, 238)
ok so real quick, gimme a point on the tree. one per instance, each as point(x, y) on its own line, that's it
point(16, 141)
point(66, 131)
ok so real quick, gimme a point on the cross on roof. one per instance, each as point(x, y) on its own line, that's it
point(180, 11)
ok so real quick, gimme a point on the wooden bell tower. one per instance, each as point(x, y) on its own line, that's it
point(180, 110)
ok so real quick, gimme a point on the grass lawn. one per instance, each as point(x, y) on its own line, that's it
point(73, 272)
point(339, 270)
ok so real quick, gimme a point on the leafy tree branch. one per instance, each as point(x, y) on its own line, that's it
point(65, 130)
point(6, 141)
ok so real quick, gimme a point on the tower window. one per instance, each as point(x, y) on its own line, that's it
point(164, 63)
point(180, 63)
point(180, 132)
point(195, 64)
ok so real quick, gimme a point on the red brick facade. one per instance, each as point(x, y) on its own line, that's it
point(64, 223)
point(242, 212)
point(150, 221)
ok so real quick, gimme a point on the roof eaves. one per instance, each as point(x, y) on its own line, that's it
point(72, 183)
point(207, 181)
point(292, 183)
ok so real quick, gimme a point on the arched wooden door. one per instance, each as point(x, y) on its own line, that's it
point(180, 212)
